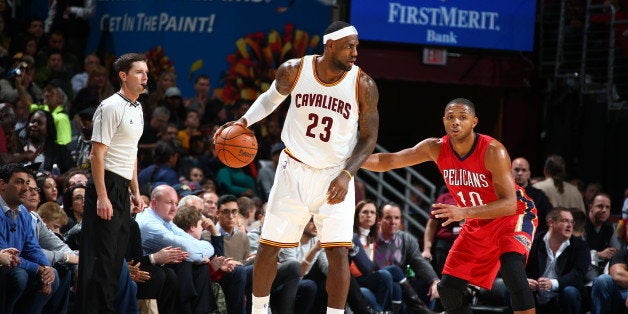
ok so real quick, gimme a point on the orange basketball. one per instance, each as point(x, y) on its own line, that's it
point(236, 146)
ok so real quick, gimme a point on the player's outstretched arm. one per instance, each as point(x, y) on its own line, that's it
point(425, 150)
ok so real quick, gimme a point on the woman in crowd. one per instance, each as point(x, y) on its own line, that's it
point(41, 146)
point(165, 81)
point(48, 191)
point(73, 205)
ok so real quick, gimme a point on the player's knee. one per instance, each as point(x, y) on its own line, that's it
point(515, 279)
point(450, 289)
point(267, 251)
point(337, 252)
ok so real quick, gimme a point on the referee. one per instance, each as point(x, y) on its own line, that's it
point(118, 125)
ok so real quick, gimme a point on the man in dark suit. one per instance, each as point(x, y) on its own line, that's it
point(557, 265)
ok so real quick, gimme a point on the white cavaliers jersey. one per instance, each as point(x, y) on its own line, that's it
point(321, 128)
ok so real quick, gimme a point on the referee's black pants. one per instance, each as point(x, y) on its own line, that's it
point(103, 246)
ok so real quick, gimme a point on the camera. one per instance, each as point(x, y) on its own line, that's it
point(18, 70)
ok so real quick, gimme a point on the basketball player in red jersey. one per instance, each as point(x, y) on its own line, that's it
point(500, 218)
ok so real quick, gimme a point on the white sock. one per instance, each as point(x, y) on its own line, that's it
point(335, 311)
point(260, 304)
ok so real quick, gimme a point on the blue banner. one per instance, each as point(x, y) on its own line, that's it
point(229, 40)
point(490, 24)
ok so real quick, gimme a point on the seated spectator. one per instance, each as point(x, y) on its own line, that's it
point(600, 234)
point(153, 125)
point(53, 217)
point(163, 283)
point(191, 125)
point(55, 100)
point(21, 87)
point(59, 254)
point(210, 209)
point(54, 69)
point(8, 140)
point(196, 174)
point(557, 264)
point(236, 243)
point(236, 247)
point(235, 181)
point(81, 147)
point(41, 147)
point(207, 107)
point(162, 170)
point(210, 231)
point(73, 205)
point(172, 100)
point(33, 281)
point(79, 80)
point(169, 133)
point(610, 291)
point(75, 176)
point(396, 247)
point(165, 81)
point(158, 231)
point(247, 211)
point(47, 187)
point(377, 282)
point(198, 156)
point(580, 220)
point(591, 191)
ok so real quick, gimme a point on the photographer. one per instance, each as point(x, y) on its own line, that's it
point(18, 83)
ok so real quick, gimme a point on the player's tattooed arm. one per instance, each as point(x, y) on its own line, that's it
point(368, 123)
point(287, 75)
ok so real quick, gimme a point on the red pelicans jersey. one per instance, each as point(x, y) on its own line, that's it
point(321, 128)
point(469, 181)
point(475, 253)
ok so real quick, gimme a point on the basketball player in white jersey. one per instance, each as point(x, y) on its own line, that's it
point(330, 129)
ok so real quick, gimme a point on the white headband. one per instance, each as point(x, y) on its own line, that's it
point(343, 32)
